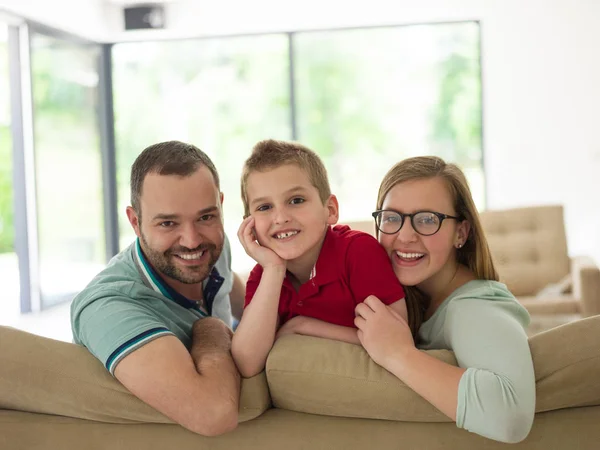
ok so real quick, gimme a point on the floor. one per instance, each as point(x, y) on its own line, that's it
point(53, 323)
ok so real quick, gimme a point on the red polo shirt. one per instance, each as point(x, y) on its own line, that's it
point(351, 266)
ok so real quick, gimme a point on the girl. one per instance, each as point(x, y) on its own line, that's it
point(428, 224)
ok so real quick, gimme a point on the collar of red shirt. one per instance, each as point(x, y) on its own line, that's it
point(326, 270)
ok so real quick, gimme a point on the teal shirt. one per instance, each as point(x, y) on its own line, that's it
point(128, 305)
point(484, 325)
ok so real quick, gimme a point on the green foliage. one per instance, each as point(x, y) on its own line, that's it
point(456, 119)
point(7, 230)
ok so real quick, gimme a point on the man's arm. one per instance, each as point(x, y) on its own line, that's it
point(236, 296)
point(199, 391)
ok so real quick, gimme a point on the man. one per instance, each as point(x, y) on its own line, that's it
point(158, 316)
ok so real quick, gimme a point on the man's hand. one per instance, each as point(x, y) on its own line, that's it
point(210, 336)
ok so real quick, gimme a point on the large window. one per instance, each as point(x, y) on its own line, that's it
point(222, 95)
point(363, 99)
point(368, 98)
point(8, 259)
point(68, 173)
point(7, 232)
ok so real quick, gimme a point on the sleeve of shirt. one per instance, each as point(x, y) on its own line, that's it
point(113, 326)
point(252, 283)
point(370, 271)
point(496, 394)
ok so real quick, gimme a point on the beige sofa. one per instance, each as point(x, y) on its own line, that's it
point(314, 394)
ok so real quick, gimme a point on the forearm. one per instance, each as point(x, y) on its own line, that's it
point(434, 380)
point(318, 328)
point(255, 333)
point(163, 375)
point(211, 354)
point(222, 378)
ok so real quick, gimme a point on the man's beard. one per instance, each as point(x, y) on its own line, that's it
point(163, 261)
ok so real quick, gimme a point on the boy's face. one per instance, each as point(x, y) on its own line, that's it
point(289, 216)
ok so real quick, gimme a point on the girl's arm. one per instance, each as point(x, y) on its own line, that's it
point(494, 396)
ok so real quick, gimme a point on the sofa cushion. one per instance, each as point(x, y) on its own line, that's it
point(320, 376)
point(43, 375)
point(567, 365)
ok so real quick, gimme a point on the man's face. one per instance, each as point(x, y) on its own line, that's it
point(181, 227)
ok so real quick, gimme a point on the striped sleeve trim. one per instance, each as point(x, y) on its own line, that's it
point(123, 350)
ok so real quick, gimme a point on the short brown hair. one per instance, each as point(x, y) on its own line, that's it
point(271, 154)
point(167, 158)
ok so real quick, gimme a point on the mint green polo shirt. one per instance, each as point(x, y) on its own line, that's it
point(128, 305)
point(484, 324)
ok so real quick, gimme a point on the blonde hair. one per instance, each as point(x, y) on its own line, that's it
point(475, 252)
point(271, 154)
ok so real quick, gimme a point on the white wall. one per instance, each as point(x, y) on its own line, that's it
point(541, 80)
point(82, 17)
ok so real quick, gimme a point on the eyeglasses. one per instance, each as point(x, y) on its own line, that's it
point(425, 223)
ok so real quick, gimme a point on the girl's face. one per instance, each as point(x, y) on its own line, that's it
point(423, 261)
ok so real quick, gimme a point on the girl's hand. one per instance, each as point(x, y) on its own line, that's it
point(383, 333)
point(262, 255)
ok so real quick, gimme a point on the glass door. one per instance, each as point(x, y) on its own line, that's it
point(9, 267)
point(68, 172)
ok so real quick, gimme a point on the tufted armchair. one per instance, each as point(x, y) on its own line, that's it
point(529, 247)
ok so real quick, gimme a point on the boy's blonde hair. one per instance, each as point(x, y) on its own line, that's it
point(271, 154)
point(475, 253)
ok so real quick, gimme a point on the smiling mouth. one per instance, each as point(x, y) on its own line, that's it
point(409, 256)
point(190, 256)
point(285, 235)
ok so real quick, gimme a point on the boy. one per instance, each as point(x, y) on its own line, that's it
point(310, 276)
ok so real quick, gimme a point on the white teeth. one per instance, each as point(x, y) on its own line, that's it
point(191, 255)
point(285, 235)
point(410, 255)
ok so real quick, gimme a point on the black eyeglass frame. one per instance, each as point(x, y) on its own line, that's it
point(440, 216)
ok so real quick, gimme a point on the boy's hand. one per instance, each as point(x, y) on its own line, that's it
point(262, 255)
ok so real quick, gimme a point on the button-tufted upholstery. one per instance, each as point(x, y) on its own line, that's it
point(529, 246)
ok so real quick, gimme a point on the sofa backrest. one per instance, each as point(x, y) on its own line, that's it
point(528, 245)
